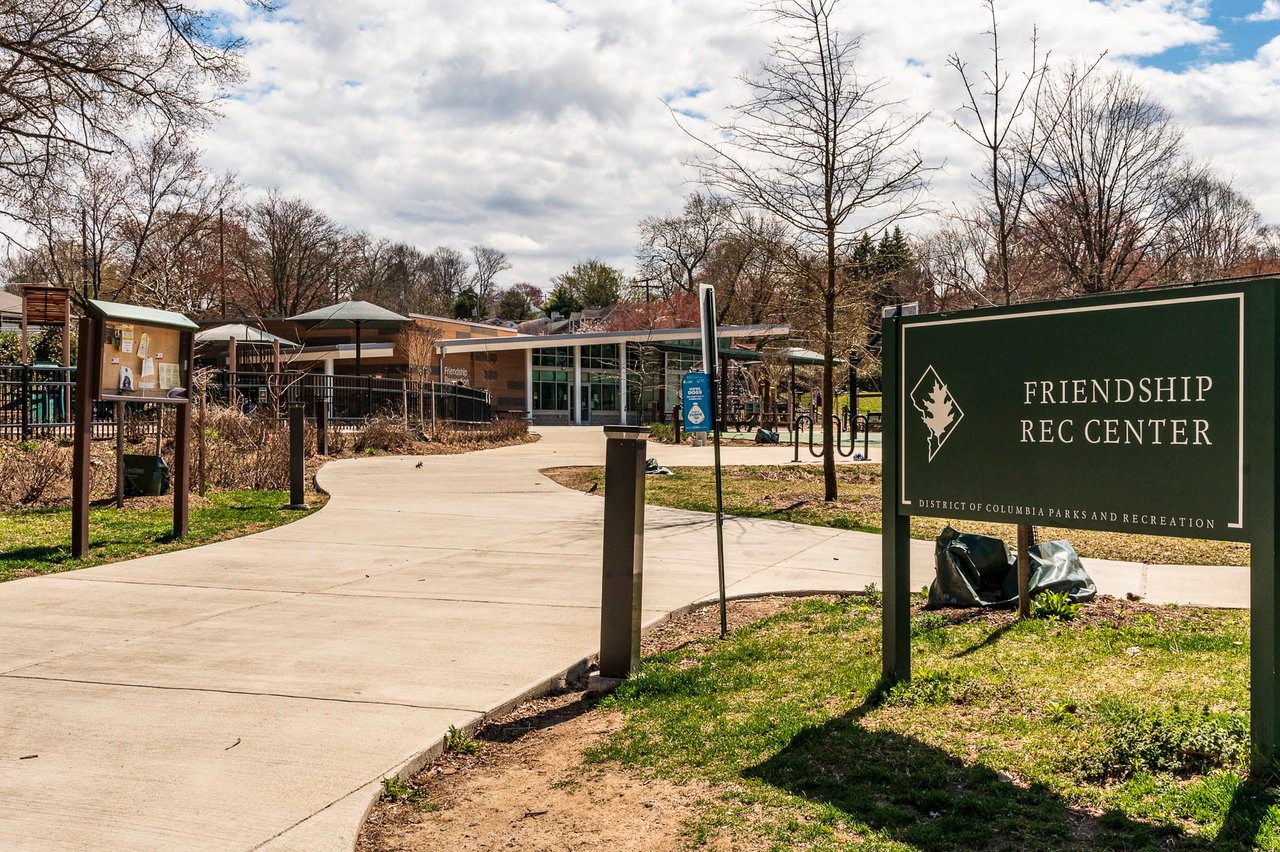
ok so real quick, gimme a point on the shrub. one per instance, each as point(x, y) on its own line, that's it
point(461, 742)
point(29, 469)
point(662, 433)
point(384, 434)
point(509, 429)
point(926, 687)
point(931, 627)
point(248, 451)
point(1175, 741)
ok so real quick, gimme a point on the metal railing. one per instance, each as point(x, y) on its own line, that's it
point(39, 402)
point(352, 399)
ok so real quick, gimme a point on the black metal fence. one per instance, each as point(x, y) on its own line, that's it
point(351, 399)
point(38, 402)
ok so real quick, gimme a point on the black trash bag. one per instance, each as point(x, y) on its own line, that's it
point(970, 569)
point(979, 570)
point(766, 436)
point(1055, 567)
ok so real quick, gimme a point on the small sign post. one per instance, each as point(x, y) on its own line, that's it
point(710, 363)
point(1150, 412)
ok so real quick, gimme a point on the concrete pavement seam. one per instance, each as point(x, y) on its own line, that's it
point(244, 692)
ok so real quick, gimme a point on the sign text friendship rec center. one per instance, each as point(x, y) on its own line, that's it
point(1125, 415)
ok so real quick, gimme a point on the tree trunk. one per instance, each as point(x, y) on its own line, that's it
point(828, 372)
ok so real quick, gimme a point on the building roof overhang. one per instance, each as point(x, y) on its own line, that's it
point(598, 338)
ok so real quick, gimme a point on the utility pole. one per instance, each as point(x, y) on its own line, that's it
point(84, 254)
point(222, 262)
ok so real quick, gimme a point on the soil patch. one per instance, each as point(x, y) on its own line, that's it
point(528, 786)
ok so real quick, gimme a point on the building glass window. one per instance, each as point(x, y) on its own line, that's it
point(551, 390)
point(554, 356)
point(603, 388)
point(603, 357)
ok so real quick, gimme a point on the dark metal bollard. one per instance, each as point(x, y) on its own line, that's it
point(322, 427)
point(297, 453)
point(623, 550)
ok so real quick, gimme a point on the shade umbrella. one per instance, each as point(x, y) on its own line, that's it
point(353, 314)
point(245, 335)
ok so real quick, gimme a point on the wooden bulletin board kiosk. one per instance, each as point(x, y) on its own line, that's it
point(129, 353)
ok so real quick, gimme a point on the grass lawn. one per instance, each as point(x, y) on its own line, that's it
point(1126, 729)
point(38, 541)
point(794, 493)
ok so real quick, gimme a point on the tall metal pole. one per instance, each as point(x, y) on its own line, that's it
point(710, 357)
point(716, 426)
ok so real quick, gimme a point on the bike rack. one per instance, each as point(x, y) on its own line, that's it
point(795, 437)
point(840, 448)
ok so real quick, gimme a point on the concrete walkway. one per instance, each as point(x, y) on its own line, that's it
point(252, 693)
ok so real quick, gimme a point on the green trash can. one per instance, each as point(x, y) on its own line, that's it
point(145, 476)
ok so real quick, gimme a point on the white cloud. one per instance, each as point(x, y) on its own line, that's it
point(543, 128)
point(1270, 11)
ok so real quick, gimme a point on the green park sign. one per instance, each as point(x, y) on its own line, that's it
point(1099, 415)
point(1151, 412)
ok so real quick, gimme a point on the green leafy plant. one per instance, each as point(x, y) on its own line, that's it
point(461, 742)
point(931, 627)
point(395, 789)
point(872, 596)
point(927, 687)
point(1054, 606)
point(1061, 711)
point(1176, 741)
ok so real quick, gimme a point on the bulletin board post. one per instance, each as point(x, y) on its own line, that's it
point(131, 354)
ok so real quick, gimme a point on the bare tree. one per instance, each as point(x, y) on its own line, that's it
point(417, 343)
point(288, 257)
point(673, 249)
point(448, 274)
point(1106, 195)
point(489, 263)
point(746, 266)
point(1215, 232)
point(1007, 117)
point(816, 148)
point(75, 76)
point(168, 226)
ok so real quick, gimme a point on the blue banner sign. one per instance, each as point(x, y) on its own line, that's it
point(696, 390)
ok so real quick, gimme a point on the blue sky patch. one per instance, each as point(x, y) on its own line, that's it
point(1238, 38)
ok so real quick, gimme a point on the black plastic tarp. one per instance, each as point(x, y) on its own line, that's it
point(979, 570)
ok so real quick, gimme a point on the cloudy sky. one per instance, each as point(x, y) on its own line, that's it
point(544, 127)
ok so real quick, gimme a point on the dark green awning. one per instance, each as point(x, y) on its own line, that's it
point(793, 354)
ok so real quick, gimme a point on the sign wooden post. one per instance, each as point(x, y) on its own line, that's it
point(82, 439)
point(1151, 412)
